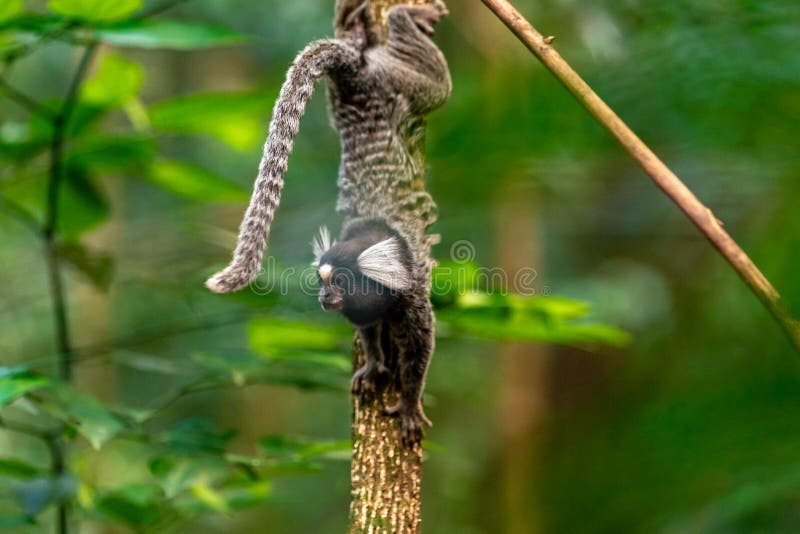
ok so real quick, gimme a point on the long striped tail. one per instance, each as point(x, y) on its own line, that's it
point(315, 61)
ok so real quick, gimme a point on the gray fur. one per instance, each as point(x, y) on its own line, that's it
point(318, 59)
point(379, 94)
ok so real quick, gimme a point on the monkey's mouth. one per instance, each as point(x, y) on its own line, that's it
point(332, 304)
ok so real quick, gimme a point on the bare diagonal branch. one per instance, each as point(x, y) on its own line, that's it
point(675, 189)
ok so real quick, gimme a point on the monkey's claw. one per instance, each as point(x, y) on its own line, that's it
point(368, 380)
point(426, 16)
point(412, 422)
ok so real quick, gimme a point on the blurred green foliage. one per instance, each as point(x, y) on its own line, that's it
point(189, 410)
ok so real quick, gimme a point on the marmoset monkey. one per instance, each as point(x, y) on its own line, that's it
point(378, 273)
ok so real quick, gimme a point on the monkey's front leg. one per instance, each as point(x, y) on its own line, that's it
point(413, 335)
point(373, 376)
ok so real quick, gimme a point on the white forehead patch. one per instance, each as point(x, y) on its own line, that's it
point(325, 272)
point(321, 244)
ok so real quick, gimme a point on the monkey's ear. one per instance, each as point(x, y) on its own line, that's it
point(321, 244)
point(385, 262)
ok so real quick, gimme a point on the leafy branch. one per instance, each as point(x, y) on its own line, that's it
point(60, 123)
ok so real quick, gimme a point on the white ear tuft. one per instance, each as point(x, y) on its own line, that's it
point(383, 262)
point(321, 244)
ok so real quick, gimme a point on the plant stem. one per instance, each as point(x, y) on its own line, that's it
point(58, 468)
point(664, 178)
point(50, 234)
point(22, 428)
point(49, 231)
point(25, 101)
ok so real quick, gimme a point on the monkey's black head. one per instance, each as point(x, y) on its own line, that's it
point(363, 275)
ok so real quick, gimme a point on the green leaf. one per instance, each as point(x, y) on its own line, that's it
point(194, 182)
point(171, 34)
point(268, 335)
point(246, 494)
point(307, 378)
point(210, 498)
point(274, 466)
point(286, 370)
point(196, 434)
point(116, 82)
point(34, 495)
point(16, 382)
point(148, 363)
point(20, 142)
point(507, 325)
point(224, 497)
point(12, 467)
point(301, 448)
point(10, 9)
point(137, 505)
point(84, 117)
point(33, 23)
point(176, 475)
point(83, 206)
point(104, 154)
point(95, 10)
point(15, 522)
point(232, 369)
point(98, 267)
point(335, 360)
point(91, 418)
point(238, 119)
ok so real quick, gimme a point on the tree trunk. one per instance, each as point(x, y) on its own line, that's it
point(385, 479)
point(385, 476)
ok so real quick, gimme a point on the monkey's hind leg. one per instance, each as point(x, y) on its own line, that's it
point(426, 81)
point(374, 375)
point(413, 336)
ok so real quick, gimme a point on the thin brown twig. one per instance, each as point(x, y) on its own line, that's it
point(674, 188)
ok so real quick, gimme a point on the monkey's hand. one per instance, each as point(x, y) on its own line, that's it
point(412, 421)
point(371, 379)
point(425, 16)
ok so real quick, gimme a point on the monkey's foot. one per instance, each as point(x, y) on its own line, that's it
point(369, 380)
point(412, 421)
point(426, 16)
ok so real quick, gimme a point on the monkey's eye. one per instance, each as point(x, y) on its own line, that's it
point(340, 280)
